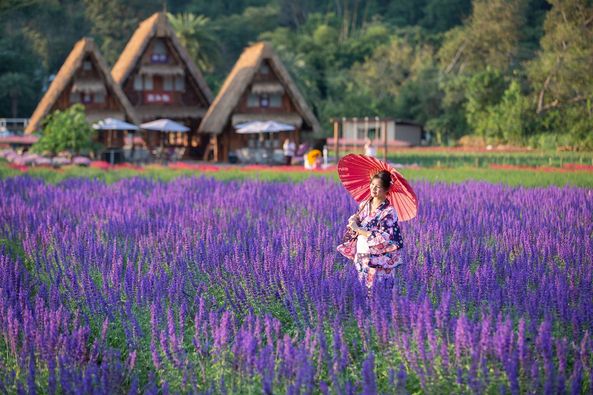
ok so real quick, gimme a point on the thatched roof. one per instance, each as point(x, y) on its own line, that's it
point(66, 75)
point(156, 26)
point(238, 81)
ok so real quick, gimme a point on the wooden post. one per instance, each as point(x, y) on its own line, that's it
point(337, 139)
point(385, 140)
point(213, 145)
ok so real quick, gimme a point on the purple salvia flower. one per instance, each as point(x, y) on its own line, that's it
point(156, 360)
point(544, 345)
point(369, 382)
point(402, 376)
point(132, 360)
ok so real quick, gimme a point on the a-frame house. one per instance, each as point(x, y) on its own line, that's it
point(160, 80)
point(260, 88)
point(84, 78)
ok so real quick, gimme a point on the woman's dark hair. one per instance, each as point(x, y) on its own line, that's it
point(385, 179)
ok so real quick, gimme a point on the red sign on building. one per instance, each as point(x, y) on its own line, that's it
point(157, 97)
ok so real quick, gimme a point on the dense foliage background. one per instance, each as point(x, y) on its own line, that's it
point(513, 72)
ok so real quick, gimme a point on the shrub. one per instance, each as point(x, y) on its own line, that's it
point(66, 130)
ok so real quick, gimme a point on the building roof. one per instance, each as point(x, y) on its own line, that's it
point(156, 26)
point(64, 77)
point(238, 81)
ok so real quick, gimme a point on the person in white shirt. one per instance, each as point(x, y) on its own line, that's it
point(289, 148)
point(369, 148)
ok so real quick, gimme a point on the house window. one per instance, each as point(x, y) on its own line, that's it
point(275, 101)
point(361, 133)
point(180, 84)
point(264, 69)
point(252, 100)
point(99, 97)
point(138, 82)
point(167, 83)
point(264, 100)
point(159, 52)
point(148, 83)
point(87, 98)
point(86, 65)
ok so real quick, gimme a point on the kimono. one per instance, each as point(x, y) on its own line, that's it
point(376, 256)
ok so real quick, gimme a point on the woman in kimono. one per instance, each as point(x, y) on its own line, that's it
point(374, 240)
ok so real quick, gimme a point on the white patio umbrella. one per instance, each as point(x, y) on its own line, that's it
point(110, 124)
point(263, 127)
point(164, 125)
point(114, 124)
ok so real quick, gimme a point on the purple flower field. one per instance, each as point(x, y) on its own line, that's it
point(204, 286)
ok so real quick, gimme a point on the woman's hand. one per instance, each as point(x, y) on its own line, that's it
point(353, 223)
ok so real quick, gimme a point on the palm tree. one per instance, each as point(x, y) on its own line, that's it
point(196, 36)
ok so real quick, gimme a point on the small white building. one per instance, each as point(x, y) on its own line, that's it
point(400, 133)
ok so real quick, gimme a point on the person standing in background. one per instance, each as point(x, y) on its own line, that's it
point(289, 148)
point(369, 148)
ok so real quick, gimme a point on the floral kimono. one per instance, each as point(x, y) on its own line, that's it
point(375, 257)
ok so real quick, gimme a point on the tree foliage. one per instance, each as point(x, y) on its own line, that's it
point(113, 22)
point(66, 130)
point(561, 74)
point(195, 34)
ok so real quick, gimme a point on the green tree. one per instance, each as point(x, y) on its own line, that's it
point(484, 91)
point(514, 115)
point(561, 76)
point(489, 37)
point(196, 35)
point(561, 73)
point(15, 86)
point(114, 21)
point(507, 121)
point(66, 130)
point(443, 15)
point(19, 78)
point(487, 42)
point(235, 31)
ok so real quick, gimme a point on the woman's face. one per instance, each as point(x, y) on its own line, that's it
point(377, 190)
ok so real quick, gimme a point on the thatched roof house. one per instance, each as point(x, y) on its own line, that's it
point(259, 87)
point(159, 77)
point(84, 78)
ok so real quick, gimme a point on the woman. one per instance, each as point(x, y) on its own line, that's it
point(374, 240)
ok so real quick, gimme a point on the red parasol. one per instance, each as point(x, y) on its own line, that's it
point(356, 171)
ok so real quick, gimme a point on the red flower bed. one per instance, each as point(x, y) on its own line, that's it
point(126, 165)
point(100, 164)
point(188, 166)
point(577, 167)
point(14, 166)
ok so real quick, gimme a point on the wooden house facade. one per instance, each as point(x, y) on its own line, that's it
point(160, 80)
point(259, 88)
point(85, 78)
